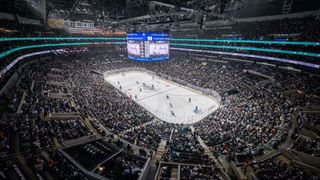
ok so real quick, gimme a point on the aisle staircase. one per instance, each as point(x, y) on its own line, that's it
point(207, 151)
point(158, 154)
point(161, 150)
point(174, 173)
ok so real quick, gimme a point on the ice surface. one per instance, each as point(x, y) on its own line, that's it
point(138, 86)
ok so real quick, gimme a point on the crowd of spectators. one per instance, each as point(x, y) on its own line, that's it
point(144, 137)
point(248, 119)
point(69, 129)
point(101, 101)
point(307, 142)
point(62, 168)
point(310, 119)
point(306, 145)
point(149, 135)
point(122, 167)
point(243, 123)
point(184, 147)
point(92, 153)
point(165, 171)
point(272, 169)
point(13, 168)
point(199, 172)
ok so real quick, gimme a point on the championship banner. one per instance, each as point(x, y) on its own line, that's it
point(78, 24)
point(55, 23)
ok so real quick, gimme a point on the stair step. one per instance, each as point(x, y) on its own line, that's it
point(174, 173)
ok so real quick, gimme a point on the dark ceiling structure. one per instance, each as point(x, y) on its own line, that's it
point(120, 9)
point(135, 12)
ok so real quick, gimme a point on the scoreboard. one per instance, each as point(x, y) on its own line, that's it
point(148, 46)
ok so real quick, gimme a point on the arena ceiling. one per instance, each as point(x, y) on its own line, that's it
point(123, 9)
point(107, 11)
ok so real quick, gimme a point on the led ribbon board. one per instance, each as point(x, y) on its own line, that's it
point(5, 53)
point(144, 52)
point(155, 46)
point(61, 39)
point(252, 56)
point(298, 43)
point(300, 53)
point(7, 68)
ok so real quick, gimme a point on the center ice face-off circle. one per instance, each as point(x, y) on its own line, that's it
point(150, 88)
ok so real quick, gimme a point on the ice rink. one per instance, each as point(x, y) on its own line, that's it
point(167, 100)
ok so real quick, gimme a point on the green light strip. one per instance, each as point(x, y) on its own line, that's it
point(249, 49)
point(5, 53)
point(247, 41)
point(60, 38)
point(172, 39)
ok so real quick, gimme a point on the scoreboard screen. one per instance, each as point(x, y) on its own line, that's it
point(148, 46)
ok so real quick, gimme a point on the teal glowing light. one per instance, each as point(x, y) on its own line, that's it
point(247, 41)
point(249, 49)
point(98, 40)
point(172, 39)
point(5, 53)
point(61, 38)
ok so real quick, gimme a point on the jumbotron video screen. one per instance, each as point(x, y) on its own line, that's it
point(148, 46)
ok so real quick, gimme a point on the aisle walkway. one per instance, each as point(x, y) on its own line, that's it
point(211, 156)
point(158, 154)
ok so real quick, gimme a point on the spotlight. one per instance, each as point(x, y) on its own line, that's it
point(100, 168)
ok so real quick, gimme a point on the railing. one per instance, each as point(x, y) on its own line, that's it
point(89, 174)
